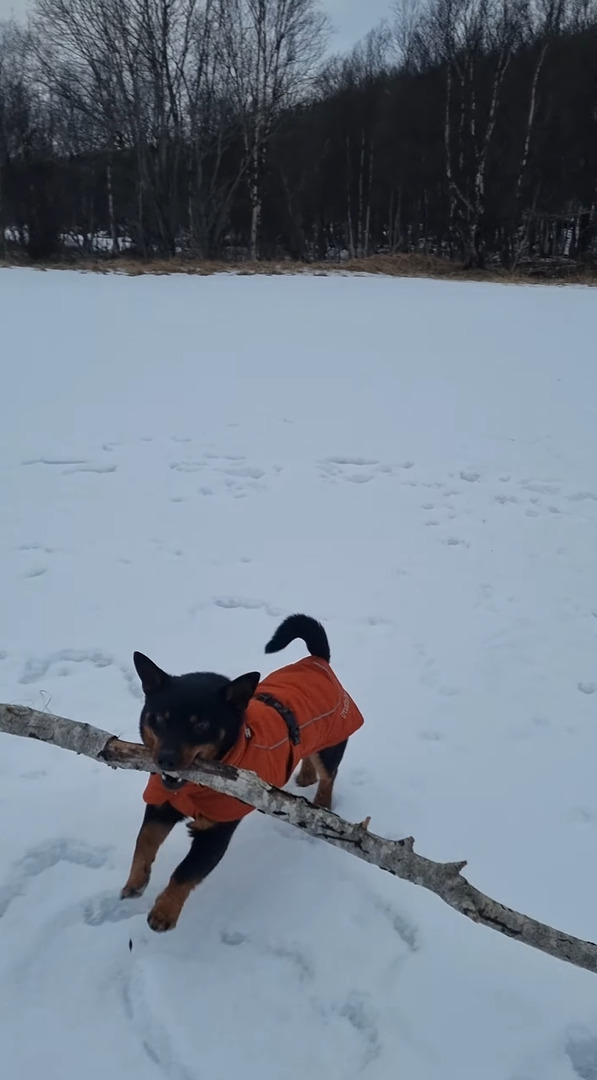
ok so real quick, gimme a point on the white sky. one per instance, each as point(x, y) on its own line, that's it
point(352, 18)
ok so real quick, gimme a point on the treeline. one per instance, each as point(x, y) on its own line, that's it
point(221, 129)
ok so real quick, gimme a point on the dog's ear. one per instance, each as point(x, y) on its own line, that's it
point(240, 691)
point(152, 677)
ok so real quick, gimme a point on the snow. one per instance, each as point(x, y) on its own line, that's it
point(186, 460)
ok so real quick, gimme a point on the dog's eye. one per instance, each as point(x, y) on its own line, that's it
point(200, 727)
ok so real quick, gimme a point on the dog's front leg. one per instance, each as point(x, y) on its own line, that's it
point(209, 845)
point(157, 824)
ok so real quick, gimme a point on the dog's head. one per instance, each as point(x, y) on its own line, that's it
point(188, 718)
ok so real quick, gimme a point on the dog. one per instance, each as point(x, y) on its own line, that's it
point(299, 714)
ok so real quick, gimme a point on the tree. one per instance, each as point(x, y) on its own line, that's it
point(272, 49)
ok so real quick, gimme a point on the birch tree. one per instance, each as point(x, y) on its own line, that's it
point(271, 50)
point(474, 42)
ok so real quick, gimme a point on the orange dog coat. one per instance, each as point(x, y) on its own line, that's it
point(325, 714)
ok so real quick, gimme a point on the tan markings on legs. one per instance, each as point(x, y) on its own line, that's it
point(150, 839)
point(169, 904)
point(307, 774)
point(323, 795)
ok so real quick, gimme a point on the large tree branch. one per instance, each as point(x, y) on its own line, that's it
point(395, 856)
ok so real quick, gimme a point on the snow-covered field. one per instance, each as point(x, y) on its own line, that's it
point(184, 461)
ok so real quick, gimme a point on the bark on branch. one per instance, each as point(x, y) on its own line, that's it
point(397, 857)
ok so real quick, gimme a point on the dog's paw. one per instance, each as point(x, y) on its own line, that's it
point(307, 774)
point(305, 780)
point(161, 919)
point(168, 905)
point(133, 889)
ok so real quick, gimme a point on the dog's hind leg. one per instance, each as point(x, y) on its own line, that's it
point(157, 824)
point(307, 773)
point(327, 763)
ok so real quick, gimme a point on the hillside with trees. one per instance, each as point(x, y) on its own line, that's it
point(224, 129)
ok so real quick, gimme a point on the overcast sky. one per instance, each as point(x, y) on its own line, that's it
point(352, 18)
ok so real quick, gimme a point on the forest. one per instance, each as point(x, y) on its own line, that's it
point(228, 130)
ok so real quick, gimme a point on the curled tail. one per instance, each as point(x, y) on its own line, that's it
point(308, 630)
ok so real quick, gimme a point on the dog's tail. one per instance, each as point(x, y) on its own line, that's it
point(308, 630)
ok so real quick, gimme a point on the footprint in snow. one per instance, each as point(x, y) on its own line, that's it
point(55, 461)
point(99, 469)
point(224, 457)
point(358, 478)
point(153, 1035)
point(109, 908)
point(587, 687)
point(403, 926)
point(233, 937)
point(583, 816)
point(352, 461)
point(296, 956)
point(334, 468)
point(187, 466)
point(44, 857)
point(232, 602)
point(541, 487)
point(358, 1012)
point(36, 667)
point(246, 472)
point(581, 1049)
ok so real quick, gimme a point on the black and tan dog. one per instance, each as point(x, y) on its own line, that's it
point(298, 713)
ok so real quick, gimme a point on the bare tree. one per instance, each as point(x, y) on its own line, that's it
point(125, 67)
point(545, 20)
point(271, 50)
point(473, 41)
point(359, 79)
point(14, 108)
